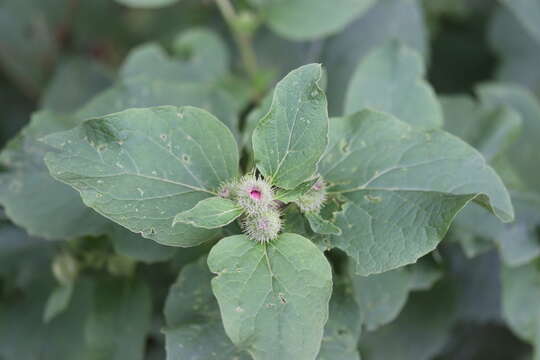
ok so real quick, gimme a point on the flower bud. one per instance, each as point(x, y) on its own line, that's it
point(254, 194)
point(262, 227)
point(314, 199)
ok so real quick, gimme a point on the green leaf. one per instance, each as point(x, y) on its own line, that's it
point(291, 195)
point(391, 79)
point(320, 225)
point(289, 141)
point(525, 103)
point(273, 297)
point(381, 297)
point(517, 50)
point(30, 195)
point(211, 213)
point(310, 19)
point(343, 328)
point(420, 331)
point(194, 330)
point(528, 12)
point(141, 167)
point(57, 302)
point(146, 4)
point(403, 187)
point(520, 294)
point(389, 19)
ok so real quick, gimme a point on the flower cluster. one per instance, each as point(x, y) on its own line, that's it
point(262, 221)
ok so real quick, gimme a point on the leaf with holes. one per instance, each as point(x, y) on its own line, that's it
point(141, 167)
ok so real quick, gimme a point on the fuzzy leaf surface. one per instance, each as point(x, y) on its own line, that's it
point(141, 167)
point(273, 297)
point(289, 141)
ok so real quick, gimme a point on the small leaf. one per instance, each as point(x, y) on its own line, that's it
point(310, 19)
point(141, 167)
point(391, 79)
point(290, 195)
point(403, 186)
point(380, 297)
point(273, 297)
point(320, 225)
point(343, 328)
point(289, 141)
point(390, 19)
point(211, 213)
point(57, 302)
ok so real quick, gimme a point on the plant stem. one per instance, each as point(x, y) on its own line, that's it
point(243, 40)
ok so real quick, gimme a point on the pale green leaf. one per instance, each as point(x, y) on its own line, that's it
point(520, 294)
point(320, 225)
point(343, 328)
point(273, 297)
point(194, 330)
point(291, 195)
point(309, 19)
point(141, 167)
point(289, 141)
point(147, 4)
point(391, 79)
point(403, 187)
point(517, 50)
point(211, 213)
point(419, 333)
point(387, 19)
point(528, 12)
point(57, 302)
point(381, 297)
point(30, 195)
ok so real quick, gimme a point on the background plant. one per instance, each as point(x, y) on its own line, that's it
point(193, 105)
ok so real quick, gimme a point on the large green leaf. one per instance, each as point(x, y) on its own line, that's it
point(289, 141)
point(147, 4)
point(211, 213)
point(29, 194)
point(194, 329)
point(528, 12)
point(133, 245)
point(520, 294)
point(420, 331)
point(391, 79)
point(273, 297)
point(309, 19)
point(387, 19)
point(141, 167)
point(403, 187)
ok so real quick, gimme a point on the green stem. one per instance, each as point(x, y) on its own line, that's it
point(243, 41)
